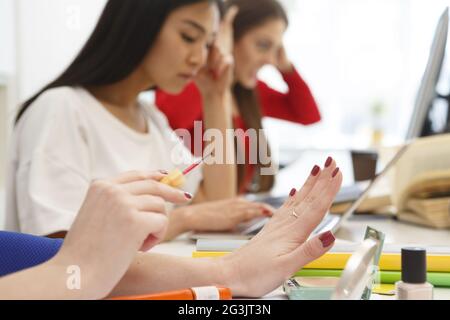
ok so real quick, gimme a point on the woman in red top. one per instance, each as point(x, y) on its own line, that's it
point(258, 30)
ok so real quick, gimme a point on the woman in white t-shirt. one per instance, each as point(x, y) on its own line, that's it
point(90, 124)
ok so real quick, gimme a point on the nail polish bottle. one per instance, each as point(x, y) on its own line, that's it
point(414, 285)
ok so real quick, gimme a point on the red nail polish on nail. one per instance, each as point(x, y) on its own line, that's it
point(328, 162)
point(327, 239)
point(315, 171)
point(293, 192)
point(335, 172)
point(188, 195)
point(267, 213)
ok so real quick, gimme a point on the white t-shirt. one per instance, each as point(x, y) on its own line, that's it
point(65, 140)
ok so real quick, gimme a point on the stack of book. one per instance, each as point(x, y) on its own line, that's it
point(421, 183)
point(332, 263)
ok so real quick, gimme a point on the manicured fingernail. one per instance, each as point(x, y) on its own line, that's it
point(293, 192)
point(188, 195)
point(315, 171)
point(328, 162)
point(327, 239)
point(335, 172)
point(163, 172)
point(267, 213)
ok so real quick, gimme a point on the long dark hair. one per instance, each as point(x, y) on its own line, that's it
point(124, 34)
point(251, 15)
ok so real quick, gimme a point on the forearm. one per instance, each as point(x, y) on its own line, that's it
point(300, 100)
point(218, 116)
point(151, 273)
point(49, 281)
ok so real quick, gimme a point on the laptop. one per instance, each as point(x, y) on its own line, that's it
point(331, 222)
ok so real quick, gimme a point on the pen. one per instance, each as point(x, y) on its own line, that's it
point(175, 178)
point(198, 293)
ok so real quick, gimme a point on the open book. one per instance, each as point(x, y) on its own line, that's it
point(421, 184)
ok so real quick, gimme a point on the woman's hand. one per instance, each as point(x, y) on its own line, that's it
point(118, 218)
point(216, 77)
point(283, 64)
point(223, 215)
point(225, 38)
point(282, 247)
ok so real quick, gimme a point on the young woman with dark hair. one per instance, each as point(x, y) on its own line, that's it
point(258, 30)
point(89, 123)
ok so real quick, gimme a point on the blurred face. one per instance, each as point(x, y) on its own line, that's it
point(257, 48)
point(182, 46)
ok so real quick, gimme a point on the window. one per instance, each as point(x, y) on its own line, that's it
point(363, 60)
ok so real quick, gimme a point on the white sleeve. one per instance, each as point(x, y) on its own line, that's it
point(52, 176)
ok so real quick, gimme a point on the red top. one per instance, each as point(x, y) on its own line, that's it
point(297, 105)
